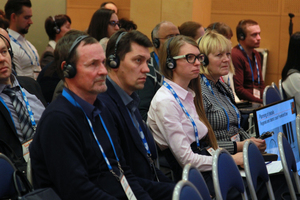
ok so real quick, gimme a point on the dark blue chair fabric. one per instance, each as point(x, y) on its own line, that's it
point(7, 189)
point(271, 95)
point(185, 190)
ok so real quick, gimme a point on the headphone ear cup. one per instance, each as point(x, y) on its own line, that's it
point(171, 63)
point(156, 43)
point(242, 36)
point(205, 61)
point(113, 61)
point(69, 71)
point(57, 30)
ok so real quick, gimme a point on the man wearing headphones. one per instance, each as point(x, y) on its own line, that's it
point(248, 80)
point(76, 149)
point(26, 57)
point(21, 106)
point(159, 35)
point(127, 63)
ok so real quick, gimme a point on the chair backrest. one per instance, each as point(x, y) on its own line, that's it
point(185, 190)
point(275, 87)
point(255, 167)
point(7, 170)
point(226, 175)
point(192, 174)
point(288, 163)
point(281, 90)
point(270, 95)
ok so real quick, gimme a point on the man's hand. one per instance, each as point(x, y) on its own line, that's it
point(261, 144)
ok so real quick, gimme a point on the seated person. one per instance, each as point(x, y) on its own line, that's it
point(75, 150)
point(248, 79)
point(56, 27)
point(189, 141)
point(226, 31)
point(127, 24)
point(21, 106)
point(290, 75)
point(191, 29)
point(218, 99)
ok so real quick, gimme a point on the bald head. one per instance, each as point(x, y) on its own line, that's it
point(111, 6)
point(4, 33)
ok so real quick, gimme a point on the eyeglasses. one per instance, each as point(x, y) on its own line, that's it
point(114, 23)
point(191, 58)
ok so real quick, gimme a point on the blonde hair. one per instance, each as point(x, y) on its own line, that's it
point(212, 42)
point(175, 44)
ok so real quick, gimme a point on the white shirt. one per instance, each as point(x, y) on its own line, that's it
point(172, 128)
point(26, 57)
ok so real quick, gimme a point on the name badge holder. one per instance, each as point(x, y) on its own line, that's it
point(121, 178)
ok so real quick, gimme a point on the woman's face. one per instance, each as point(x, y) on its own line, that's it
point(219, 63)
point(113, 25)
point(63, 30)
point(184, 70)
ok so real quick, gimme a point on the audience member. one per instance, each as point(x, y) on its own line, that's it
point(226, 31)
point(75, 150)
point(103, 25)
point(127, 65)
point(159, 35)
point(191, 29)
point(109, 5)
point(21, 107)
point(128, 25)
point(56, 27)
point(26, 57)
point(4, 23)
point(248, 80)
point(290, 75)
point(188, 139)
point(218, 99)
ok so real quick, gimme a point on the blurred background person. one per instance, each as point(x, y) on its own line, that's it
point(109, 5)
point(127, 24)
point(191, 29)
point(56, 27)
point(290, 75)
point(103, 25)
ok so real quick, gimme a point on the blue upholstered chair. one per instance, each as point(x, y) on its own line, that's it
point(255, 167)
point(226, 175)
point(192, 174)
point(7, 169)
point(270, 95)
point(185, 190)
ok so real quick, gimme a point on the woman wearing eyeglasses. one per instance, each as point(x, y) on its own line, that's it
point(218, 99)
point(103, 25)
point(176, 115)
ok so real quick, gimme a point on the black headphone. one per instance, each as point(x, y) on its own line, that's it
point(113, 60)
point(69, 70)
point(205, 61)
point(170, 63)
point(155, 41)
point(56, 29)
point(214, 26)
point(240, 32)
point(9, 46)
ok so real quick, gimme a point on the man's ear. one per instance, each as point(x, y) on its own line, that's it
point(13, 17)
point(62, 65)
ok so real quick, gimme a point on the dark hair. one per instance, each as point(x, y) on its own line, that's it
point(4, 23)
point(124, 45)
point(61, 52)
point(221, 28)
point(293, 58)
point(106, 2)
point(128, 25)
point(189, 28)
point(2, 13)
point(15, 6)
point(241, 27)
point(99, 23)
point(50, 24)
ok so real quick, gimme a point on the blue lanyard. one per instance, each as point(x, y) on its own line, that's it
point(156, 59)
point(72, 101)
point(17, 42)
point(258, 76)
point(184, 110)
point(236, 110)
point(142, 135)
point(31, 116)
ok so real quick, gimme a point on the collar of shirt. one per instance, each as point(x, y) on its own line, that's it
point(182, 93)
point(52, 43)
point(14, 82)
point(15, 34)
point(131, 102)
point(90, 110)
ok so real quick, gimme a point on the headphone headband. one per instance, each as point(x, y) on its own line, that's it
point(56, 29)
point(170, 62)
point(113, 60)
